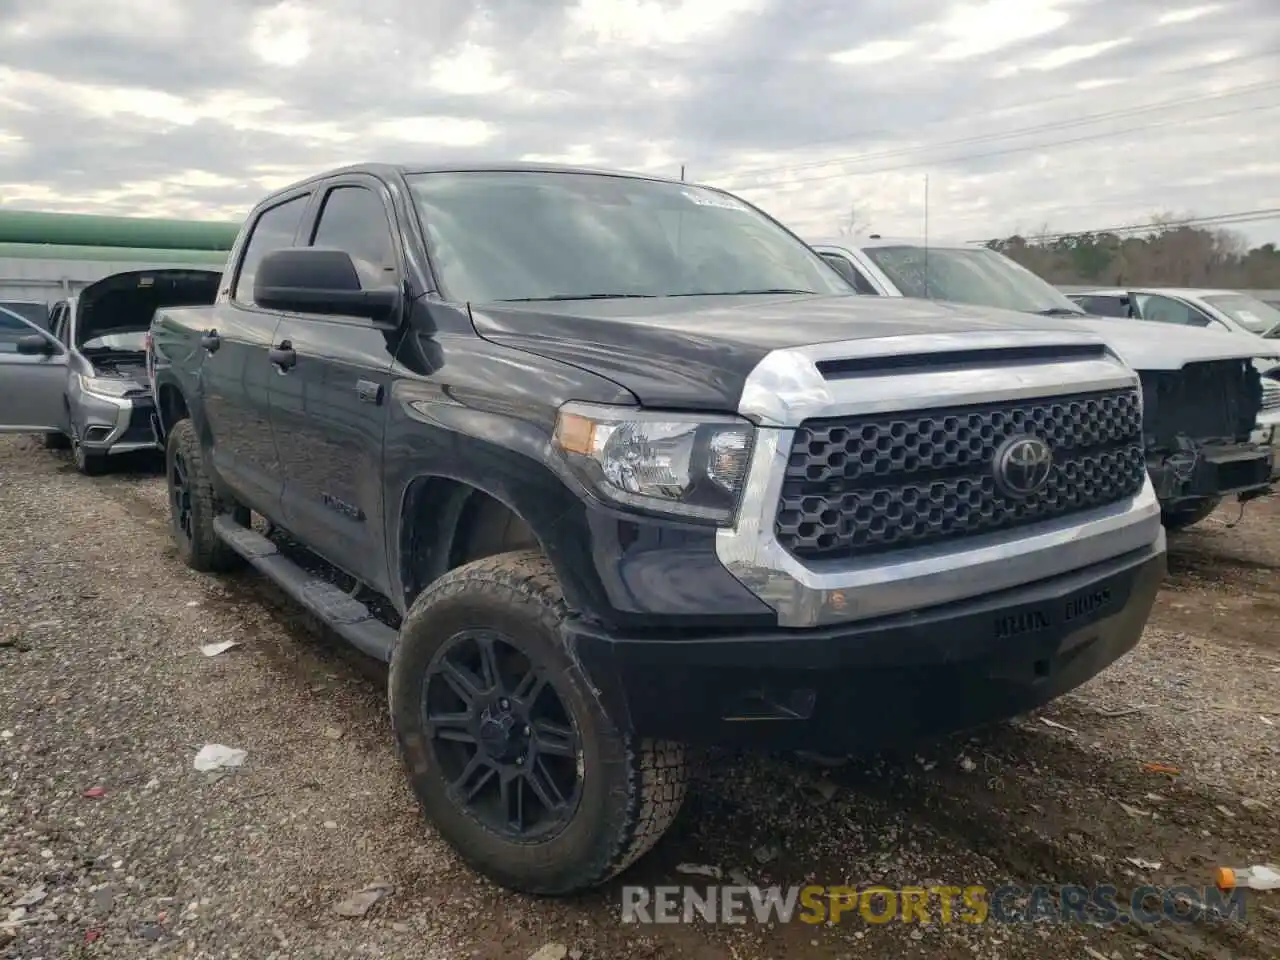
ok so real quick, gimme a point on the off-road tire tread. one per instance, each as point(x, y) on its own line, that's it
point(657, 770)
point(208, 554)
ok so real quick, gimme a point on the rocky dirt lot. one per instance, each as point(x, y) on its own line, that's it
point(112, 844)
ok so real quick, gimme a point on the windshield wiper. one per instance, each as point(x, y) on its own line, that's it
point(1060, 312)
point(579, 296)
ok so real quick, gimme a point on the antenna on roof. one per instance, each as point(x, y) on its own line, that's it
point(682, 173)
point(926, 236)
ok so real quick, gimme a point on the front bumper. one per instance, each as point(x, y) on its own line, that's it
point(115, 425)
point(890, 679)
point(1212, 471)
point(1267, 435)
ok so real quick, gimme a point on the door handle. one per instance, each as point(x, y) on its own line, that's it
point(283, 355)
point(369, 392)
point(210, 340)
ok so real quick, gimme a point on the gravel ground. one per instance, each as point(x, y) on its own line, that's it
point(111, 843)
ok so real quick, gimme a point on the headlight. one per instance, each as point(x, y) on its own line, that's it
point(680, 464)
point(101, 387)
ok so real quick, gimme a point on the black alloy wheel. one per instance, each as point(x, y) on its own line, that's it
point(502, 737)
point(180, 497)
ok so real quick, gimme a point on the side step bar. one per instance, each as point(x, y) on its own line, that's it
point(346, 616)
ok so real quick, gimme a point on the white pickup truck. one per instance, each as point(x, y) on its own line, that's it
point(1208, 414)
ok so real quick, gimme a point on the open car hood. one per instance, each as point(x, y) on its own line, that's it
point(1145, 345)
point(125, 302)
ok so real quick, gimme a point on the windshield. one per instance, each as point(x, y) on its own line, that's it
point(132, 341)
point(979, 276)
point(1252, 314)
point(530, 235)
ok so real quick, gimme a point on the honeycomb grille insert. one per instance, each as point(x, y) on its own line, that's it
point(862, 485)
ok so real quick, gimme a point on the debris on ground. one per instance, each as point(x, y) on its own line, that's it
point(1263, 876)
point(217, 756)
point(765, 854)
point(362, 901)
point(699, 870)
point(1142, 864)
point(1058, 726)
point(550, 951)
point(1133, 811)
point(213, 649)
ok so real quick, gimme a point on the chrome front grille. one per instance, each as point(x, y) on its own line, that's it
point(873, 483)
point(1270, 394)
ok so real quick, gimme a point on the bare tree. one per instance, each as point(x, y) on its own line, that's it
point(852, 224)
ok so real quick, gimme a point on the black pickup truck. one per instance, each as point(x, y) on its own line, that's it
point(606, 465)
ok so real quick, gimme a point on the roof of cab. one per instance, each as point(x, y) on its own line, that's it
point(863, 243)
point(491, 166)
point(1170, 291)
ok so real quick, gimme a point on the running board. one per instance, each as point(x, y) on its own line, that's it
point(345, 615)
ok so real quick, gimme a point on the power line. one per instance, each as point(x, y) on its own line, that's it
point(1244, 90)
point(1215, 220)
point(1022, 148)
point(1017, 105)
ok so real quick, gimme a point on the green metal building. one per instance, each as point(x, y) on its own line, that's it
point(47, 256)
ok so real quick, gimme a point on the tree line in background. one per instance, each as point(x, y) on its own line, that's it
point(1169, 254)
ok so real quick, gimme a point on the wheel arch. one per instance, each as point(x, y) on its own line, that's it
point(171, 405)
point(446, 522)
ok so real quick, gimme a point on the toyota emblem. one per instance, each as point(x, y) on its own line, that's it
point(1022, 466)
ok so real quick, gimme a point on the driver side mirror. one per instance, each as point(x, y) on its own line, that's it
point(322, 281)
point(35, 345)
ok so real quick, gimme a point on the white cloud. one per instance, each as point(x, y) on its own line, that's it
point(1187, 14)
point(468, 70)
point(647, 23)
point(198, 107)
point(874, 52)
point(281, 35)
point(974, 29)
point(449, 131)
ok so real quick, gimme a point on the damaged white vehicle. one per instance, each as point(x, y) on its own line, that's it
point(1202, 393)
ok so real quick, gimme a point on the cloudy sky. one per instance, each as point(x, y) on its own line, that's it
point(1070, 114)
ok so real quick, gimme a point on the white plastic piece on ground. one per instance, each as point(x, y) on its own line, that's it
point(216, 756)
point(213, 649)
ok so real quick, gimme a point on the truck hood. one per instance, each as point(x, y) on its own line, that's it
point(1166, 346)
point(695, 353)
point(125, 302)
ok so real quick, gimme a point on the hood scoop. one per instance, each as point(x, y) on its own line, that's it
point(849, 368)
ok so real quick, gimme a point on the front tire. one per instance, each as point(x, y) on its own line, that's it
point(90, 463)
point(508, 750)
point(193, 504)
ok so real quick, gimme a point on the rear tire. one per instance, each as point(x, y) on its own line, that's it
point(193, 504)
point(1175, 520)
point(619, 793)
